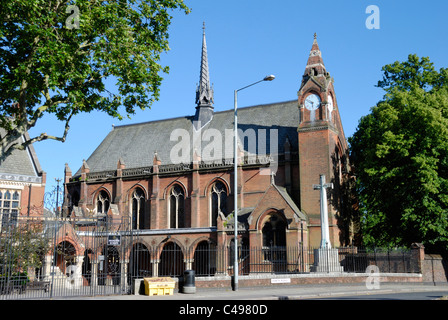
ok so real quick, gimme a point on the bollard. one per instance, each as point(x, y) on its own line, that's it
point(189, 282)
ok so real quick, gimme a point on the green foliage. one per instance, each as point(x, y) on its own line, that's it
point(22, 247)
point(51, 64)
point(400, 152)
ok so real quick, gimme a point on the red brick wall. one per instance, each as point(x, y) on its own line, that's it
point(33, 205)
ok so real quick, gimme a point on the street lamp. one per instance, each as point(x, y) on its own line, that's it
point(235, 184)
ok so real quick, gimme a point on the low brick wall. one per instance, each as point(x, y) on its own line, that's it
point(291, 279)
point(435, 269)
point(427, 268)
point(298, 279)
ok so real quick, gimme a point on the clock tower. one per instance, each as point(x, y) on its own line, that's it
point(322, 146)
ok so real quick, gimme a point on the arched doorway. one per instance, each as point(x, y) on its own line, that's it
point(171, 261)
point(139, 262)
point(274, 242)
point(204, 263)
point(274, 231)
point(65, 257)
point(109, 267)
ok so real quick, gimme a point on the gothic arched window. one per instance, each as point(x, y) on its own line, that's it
point(138, 209)
point(102, 202)
point(176, 208)
point(274, 232)
point(218, 201)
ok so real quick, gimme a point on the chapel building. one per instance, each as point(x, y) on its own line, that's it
point(173, 179)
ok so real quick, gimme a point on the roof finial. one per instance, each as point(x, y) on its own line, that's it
point(315, 35)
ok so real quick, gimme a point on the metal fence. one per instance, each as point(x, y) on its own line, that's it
point(294, 260)
point(209, 260)
point(44, 258)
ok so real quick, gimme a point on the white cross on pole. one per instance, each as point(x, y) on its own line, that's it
point(324, 228)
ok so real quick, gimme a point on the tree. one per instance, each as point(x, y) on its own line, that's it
point(23, 246)
point(400, 152)
point(56, 55)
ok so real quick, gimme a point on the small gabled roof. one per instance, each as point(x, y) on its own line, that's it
point(290, 202)
point(20, 163)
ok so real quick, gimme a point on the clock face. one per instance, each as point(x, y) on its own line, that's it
point(312, 102)
point(330, 103)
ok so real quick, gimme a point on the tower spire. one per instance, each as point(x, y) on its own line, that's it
point(204, 92)
point(315, 64)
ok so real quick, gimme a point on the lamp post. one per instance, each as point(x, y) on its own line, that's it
point(57, 196)
point(235, 184)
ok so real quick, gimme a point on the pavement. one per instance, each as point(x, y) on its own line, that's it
point(284, 292)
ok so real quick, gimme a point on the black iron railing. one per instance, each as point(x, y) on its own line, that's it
point(44, 258)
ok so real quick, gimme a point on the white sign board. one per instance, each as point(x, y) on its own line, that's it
point(281, 280)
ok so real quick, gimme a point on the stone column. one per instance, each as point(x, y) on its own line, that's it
point(188, 264)
point(155, 202)
point(94, 273)
point(124, 273)
point(77, 276)
point(67, 201)
point(417, 257)
point(118, 200)
point(155, 268)
point(47, 268)
point(195, 192)
point(83, 201)
point(326, 259)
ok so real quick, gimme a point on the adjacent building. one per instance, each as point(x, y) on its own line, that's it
point(22, 185)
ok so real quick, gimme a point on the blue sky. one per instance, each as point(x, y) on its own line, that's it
point(247, 40)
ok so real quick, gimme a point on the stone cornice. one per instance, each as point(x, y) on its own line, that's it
point(11, 178)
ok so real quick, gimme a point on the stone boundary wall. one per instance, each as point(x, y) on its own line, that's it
point(291, 279)
point(305, 279)
point(435, 269)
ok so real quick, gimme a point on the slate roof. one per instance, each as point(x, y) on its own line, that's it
point(136, 144)
point(20, 162)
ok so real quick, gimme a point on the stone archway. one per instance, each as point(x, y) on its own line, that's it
point(274, 242)
point(65, 256)
point(274, 231)
point(110, 268)
point(68, 264)
point(171, 260)
point(204, 261)
point(139, 262)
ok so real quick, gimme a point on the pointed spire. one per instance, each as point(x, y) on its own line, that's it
point(315, 65)
point(120, 163)
point(85, 167)
point(156, 159)
point(204, 92)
